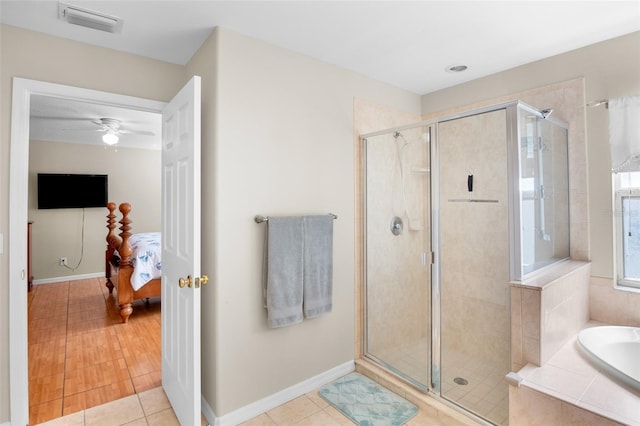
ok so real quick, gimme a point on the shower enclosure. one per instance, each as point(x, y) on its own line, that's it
point(455, 209)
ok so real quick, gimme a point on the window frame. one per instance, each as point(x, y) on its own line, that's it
point(621, 193)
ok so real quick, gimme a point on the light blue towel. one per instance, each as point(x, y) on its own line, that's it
point(318, 265)
point(284, 271)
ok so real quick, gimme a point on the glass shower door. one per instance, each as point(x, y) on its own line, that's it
point(397, 252)
point(474, 264)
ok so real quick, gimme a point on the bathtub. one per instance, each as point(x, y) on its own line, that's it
point(615, 349)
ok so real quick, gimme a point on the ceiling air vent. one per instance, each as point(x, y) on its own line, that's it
point(88, 18)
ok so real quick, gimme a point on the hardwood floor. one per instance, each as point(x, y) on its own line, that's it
point(80, 353)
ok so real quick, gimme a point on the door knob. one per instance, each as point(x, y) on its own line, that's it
point(204, 279)
point(188, 281)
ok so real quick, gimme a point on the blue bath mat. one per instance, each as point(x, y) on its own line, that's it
point(367, 403)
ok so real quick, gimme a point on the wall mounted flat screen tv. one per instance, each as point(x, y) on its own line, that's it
point(65, 191)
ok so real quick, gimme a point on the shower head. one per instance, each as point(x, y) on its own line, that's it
point(399, 137)
point(546, 112)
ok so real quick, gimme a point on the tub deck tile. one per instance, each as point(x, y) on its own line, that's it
point(570, 377)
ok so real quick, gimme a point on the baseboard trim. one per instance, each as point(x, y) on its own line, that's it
point(263, 405)
point(207, 411)
point(68, 278)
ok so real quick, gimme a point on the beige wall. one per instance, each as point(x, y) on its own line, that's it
point(283, 145)
point(205, 64)
point(36, 56)
point(134, 177)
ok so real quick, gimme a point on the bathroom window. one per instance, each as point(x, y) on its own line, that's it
point(628, 228)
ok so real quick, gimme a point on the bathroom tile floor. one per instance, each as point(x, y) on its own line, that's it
point(152, 408)
point(145, 408)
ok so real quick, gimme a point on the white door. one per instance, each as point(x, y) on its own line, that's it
point(181, 253)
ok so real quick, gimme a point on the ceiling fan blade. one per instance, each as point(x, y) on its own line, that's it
point(136, 132)
point(48, 117)
point(81, 130)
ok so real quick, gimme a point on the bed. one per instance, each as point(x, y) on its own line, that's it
point(132, 262)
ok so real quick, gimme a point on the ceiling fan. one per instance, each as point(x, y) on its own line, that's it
point(113, 130)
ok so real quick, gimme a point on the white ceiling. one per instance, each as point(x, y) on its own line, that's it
point(408, 44)
point(67, 120)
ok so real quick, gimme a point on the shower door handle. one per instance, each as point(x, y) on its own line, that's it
point(428, 258)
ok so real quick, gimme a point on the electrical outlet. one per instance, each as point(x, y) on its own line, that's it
point(63, 261)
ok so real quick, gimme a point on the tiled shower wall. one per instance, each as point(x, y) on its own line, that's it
point(547, 312)
point(560, 210)
point(398, 285)
point(475, 238)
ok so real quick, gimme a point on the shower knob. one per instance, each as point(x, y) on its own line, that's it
point(396, 225)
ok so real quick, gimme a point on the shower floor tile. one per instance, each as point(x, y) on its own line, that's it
point(486, 393)
point(410, 359)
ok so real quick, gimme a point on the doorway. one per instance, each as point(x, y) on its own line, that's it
point(80, 353)
point(23, 89)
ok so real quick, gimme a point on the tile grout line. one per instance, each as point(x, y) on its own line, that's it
point(66, 341)
point(115, 330)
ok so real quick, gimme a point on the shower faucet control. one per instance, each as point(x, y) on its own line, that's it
point(396, 225)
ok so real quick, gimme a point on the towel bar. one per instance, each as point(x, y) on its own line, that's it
point(260, 218)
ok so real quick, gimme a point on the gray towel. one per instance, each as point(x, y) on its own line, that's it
point(284, 266)
point(318, 265)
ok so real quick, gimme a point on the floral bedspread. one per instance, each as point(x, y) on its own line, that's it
point(146, 258)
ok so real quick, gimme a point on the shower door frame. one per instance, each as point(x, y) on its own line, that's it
point(514, 218)
point(510, 108)
point(511, 132)
point(431, 128)
point(434, 385)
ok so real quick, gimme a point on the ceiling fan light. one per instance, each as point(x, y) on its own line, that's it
point(110, 138)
